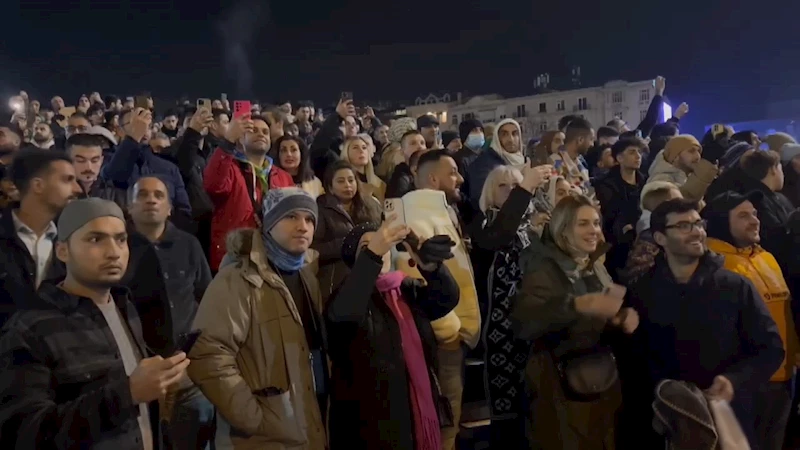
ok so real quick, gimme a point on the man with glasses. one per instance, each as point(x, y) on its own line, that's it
point(77, 123)
point(699, 323)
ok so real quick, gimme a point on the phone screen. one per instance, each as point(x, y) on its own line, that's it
point(241, 108)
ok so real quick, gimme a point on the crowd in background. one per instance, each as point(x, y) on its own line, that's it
point(617, 287)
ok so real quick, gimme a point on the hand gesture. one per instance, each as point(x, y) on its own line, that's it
point(598, 304)
point(153, 376)
point(138, 125)
point(387, 236)
point(661, 85)
point(682, 110)
point(238, 127)
point(345, 108)
point(370, 112)
point(201, 120)
point(627, 319)
point(721, 389)
point(534, 177)
point(540, 219)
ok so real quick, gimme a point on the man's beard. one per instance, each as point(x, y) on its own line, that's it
point(40, 139)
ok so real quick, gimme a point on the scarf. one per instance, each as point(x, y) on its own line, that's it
point(424, 411)
point(512, 159)
point(523, 239)
point(262, 173)
point(282, 259)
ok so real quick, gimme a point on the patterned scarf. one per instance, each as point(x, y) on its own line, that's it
point(424, 411)
point(523, 230)
point(262, 173)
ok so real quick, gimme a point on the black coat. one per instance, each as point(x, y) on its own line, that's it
point(18, 271)
point(370, 406)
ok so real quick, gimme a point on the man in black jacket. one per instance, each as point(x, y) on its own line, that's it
point(46, 183)
point(699, 323)
point(73, 369)
point(168, 276)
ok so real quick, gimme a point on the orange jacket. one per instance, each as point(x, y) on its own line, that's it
point(760, 267)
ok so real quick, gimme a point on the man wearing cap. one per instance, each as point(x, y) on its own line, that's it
point(73, 371)
point(681, 164)
point(263, 366)
point(428, 125)
point(733, 232)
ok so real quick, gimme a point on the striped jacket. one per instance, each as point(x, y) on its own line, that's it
point(62, 381)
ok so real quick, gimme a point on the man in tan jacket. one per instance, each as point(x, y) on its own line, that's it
point(259, 358)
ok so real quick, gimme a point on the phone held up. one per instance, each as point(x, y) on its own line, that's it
point(204, 103)
point(141, 101)
point(241, 108)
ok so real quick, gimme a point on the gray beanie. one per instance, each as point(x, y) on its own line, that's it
point(280, 202)
point(80, 212)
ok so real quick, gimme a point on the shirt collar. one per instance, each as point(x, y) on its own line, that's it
point(51, 232)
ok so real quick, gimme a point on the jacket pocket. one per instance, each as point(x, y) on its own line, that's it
point(280, 421)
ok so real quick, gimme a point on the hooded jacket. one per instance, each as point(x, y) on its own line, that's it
point(254, 365)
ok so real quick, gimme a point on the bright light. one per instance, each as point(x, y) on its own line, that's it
point(667, 112)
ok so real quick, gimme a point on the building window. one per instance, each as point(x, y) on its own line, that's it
point(644, 95)
point(616, 97)
point(502, 116)
point(642, 114)
point(521, 111)
point(560, 105)
point(543, 126)
point(455, 119)
point(582, 104)
point(542, 107)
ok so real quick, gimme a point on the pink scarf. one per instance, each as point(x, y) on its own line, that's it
point(425, 413)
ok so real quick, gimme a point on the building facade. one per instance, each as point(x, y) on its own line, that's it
point(539, 113)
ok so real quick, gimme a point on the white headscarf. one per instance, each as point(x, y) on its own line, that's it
point(512, 159)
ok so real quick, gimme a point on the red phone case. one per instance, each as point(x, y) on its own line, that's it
point(241, 108)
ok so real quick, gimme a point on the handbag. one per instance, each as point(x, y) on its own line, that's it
point(444, 409)
point(586, 375)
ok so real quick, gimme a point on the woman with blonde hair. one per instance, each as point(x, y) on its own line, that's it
point(358, 151)
point(571, 311)
point(506, 208)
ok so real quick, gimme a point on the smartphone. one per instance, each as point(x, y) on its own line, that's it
point(203, 103)
point(141, 101)
point(346, 96)
point(241, 108)
point(223, 96)
point(187, 340)
point(394, 207)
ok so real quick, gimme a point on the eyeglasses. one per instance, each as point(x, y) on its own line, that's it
point(687, 227)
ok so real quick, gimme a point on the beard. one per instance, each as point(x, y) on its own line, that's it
point(40, 138)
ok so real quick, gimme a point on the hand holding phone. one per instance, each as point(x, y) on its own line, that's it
point(204, 103)
point(393, 211)
point(187, 340)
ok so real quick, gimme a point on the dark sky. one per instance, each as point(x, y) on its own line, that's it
point(725, 57)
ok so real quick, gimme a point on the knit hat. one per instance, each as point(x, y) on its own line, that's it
point(733, 155)
point(448, 137)
point(78, 213)
point(678, 145)
point(776, 141)
point(280, 202)
point(466, 126)
point(350, 242)
point(400, 127)
point(717, 211)
point(789, 151)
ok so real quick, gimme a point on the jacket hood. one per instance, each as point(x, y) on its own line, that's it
point(661, 166)
point(496, 146)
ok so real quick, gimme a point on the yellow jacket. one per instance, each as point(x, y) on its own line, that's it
point(760, 267)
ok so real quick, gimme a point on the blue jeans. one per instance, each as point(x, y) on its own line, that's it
point(193, 423)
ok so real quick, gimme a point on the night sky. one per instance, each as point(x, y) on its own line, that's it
point(723, 58)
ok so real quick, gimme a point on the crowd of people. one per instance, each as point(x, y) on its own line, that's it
point(199, 278)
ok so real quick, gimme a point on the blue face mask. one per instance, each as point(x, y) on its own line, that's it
point(475, 141)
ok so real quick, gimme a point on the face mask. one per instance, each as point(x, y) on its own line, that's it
point(475, 141)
